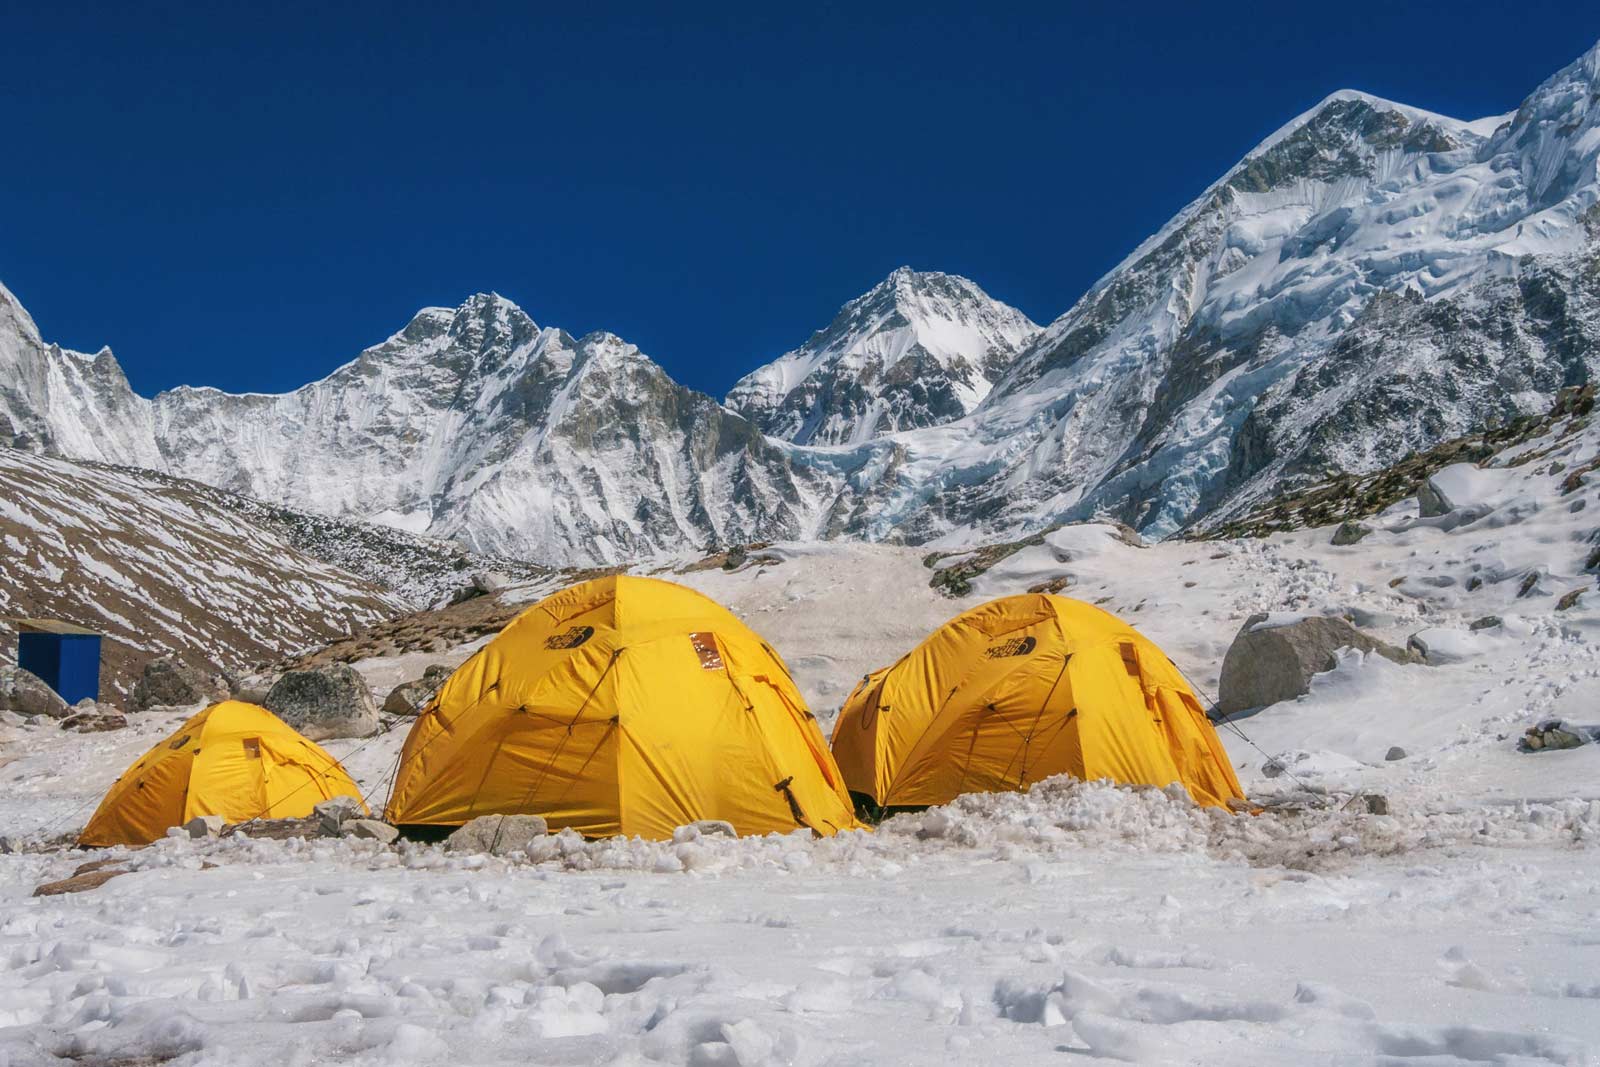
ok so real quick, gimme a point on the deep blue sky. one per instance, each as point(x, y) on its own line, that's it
point(247, 195)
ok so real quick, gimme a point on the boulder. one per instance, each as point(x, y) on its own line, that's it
point(324, 702)
point(169, 682)
point(204, 826)
point(253, 688)
point(1394, 753)
point(497, 835)
point(1349, 532)
point(27, 694)
point(1488, 622)
point(333, 813)
point(370, 830)
point(409, 698)
point(1274, 659)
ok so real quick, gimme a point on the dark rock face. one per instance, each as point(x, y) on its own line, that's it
point(168, 682)
point(26, 693)
point(1268, 664)
point(324, 702)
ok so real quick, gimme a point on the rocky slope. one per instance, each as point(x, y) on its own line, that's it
point(159, 567)
point(919, 349)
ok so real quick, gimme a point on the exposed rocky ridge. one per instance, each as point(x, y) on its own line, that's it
point(1349, 497)
point(159, 568)
point(919, 349)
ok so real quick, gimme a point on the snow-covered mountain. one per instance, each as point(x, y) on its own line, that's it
point(1369, 280)
point(472, 423)
point(918, 349)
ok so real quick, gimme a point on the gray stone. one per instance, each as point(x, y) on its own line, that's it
point(370, 829)
point(497, 835)
point(1377, 804)
point(1270, 664)
point(27, 694)
point(204, 826)
point(333, 813)
point(253, 688)
point(169, 682)
point(1349, 532)
point(409, 698)
point(1395, 753)
point(1431, 501)
point(1488, 622)
point(9, 846)
point(324, 702)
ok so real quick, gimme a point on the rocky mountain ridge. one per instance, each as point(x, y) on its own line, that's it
point(1370, 280)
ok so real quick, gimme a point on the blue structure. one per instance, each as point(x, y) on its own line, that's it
point(65, 656)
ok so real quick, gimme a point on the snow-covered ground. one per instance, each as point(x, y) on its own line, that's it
point(1075, 921)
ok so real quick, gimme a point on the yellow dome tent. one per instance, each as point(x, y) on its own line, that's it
point(622, 705)
point(1020, 689)
point(233, 759)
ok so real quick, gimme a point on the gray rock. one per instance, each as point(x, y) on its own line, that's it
point(324, 702)
point(11, 718)
point(169, 682)
point(1268, 664)
point(334, 812)
point(1431, 501)
point(253, 688)
point(497, 835)
point(1395, 753)
point(9, 846)
point(1349, 532)
point(27, 694)
point(370, 829)
point(1377, 804)
point(1570, 600)
point(1488, 622)
point(409, 698)
point(204, 826)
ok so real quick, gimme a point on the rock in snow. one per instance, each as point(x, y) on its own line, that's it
point(324, 702)
point(1272, 660)
point(497, 835)
point(27, 694)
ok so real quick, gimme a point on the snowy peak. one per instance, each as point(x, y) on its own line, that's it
point(918, 349)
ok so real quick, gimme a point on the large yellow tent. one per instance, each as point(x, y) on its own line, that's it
point(622, 705)
point(233, 759)
point(1017, 690)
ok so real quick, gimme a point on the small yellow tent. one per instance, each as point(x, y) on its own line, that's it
point(1020, 689)
point(233, 759)
point(622, 705)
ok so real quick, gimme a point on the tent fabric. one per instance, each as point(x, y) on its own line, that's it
point(1020, 689)
point(623, 705)
point(233, 759)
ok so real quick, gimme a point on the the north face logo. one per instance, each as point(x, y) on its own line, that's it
point(570, 638)
point(1017, 646)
